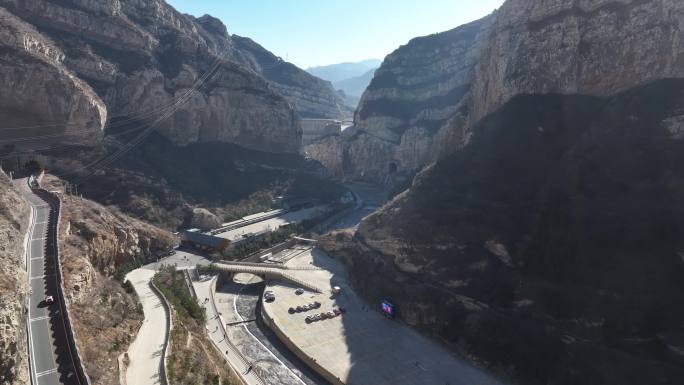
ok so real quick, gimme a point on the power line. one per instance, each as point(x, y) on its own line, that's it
point(109, 159)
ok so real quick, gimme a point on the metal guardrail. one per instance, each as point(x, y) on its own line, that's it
point(163, 375)
point(52, 246)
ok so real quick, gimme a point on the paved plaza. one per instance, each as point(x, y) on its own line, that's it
point(361, 346)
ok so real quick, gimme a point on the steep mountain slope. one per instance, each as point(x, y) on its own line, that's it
point(140, 56)
point(14, 211)
point(546, 241)
point(433, 88)
point(341, 71)
point(33, 68)
point(407, 115)
point(587, 47)
point(550, 248)
point(159, 79)
point(311, 97)
point(135, 59)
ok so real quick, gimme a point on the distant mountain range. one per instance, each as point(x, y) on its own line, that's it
point(352, 78)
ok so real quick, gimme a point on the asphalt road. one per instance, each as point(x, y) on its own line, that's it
point(49, 355)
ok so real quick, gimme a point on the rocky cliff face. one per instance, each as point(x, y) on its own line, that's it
point(414, 106)
point(143, 60)
point(33, 68)
point(578, 47)
point(312, 97)
point(14, 211)
point(436, 88)
point(549, 248)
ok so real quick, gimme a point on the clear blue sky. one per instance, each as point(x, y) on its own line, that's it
point(318, 32)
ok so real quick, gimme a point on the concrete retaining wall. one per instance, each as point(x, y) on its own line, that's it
point(310, 361)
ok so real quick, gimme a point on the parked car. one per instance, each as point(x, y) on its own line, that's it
point(323, 315)
point(331, 314)
point(299, 309)
point(291, 310)
point(343, 310)
point(337, 311)
point(299, 291)
point(316, 305)
point(49, 300)
point(308, 319)
point(269, 296)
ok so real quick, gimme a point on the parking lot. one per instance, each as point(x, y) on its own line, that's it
point(360, 346)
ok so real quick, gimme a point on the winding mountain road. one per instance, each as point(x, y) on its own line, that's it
point(51, 362)
point(145, 353)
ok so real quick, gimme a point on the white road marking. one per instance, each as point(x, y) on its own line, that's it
point(32, 364)
point(45, 373)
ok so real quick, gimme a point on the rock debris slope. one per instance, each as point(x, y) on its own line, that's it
point(14, 212)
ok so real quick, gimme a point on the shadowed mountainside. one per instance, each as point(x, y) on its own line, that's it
point(551, 247)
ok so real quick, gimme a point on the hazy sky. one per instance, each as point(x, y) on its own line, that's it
point(317, 32)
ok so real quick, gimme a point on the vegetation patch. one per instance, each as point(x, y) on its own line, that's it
point(193, 359)
point(172, 284)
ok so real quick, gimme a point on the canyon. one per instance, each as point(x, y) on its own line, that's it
point(535, 156)
point(544, 239)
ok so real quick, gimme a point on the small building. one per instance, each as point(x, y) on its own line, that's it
point(204, 242)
